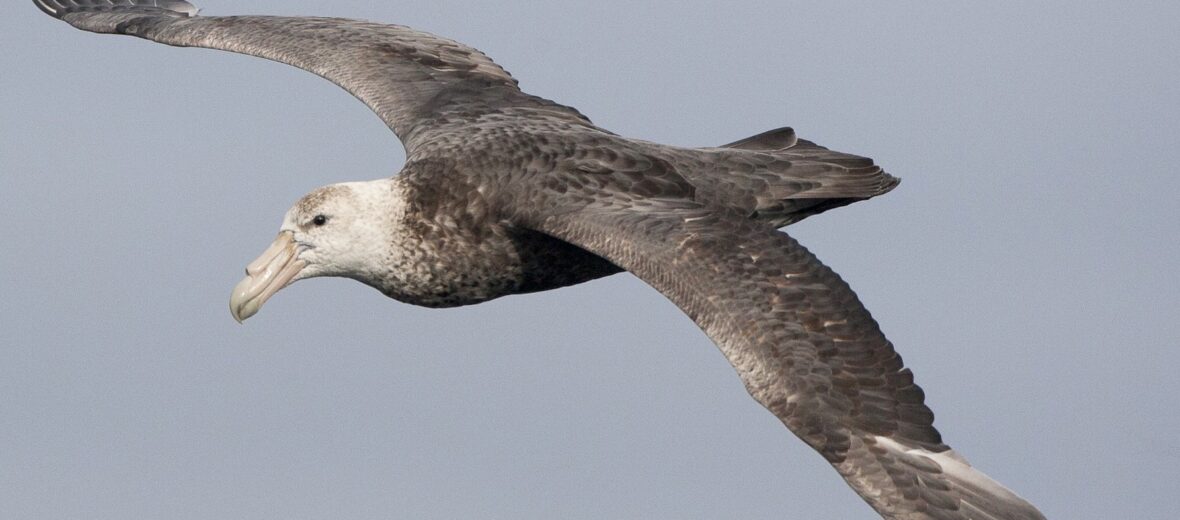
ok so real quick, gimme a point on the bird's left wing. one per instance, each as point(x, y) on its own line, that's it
point(798, 337)
point(411, 79)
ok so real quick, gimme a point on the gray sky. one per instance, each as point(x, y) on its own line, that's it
point(1025, 269)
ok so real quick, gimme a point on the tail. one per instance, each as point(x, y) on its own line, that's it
point(801, 178)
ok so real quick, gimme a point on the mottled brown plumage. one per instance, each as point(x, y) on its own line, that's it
point(504, 193)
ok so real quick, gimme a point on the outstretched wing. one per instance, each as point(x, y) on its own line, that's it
point(802, 342)
point(411, 79)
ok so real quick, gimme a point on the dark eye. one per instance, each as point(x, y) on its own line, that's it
point(319, 220)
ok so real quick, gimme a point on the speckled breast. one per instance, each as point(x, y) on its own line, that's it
point(453, 266)
point(456, 251)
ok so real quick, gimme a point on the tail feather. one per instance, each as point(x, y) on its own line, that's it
point(795, 178)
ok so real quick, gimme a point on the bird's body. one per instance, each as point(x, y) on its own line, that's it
point(461, 208)
point(449, 255)
point(506, 193)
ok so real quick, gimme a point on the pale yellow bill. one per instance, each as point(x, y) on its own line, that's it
point(273, 270)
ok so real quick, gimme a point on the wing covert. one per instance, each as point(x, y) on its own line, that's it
point(411, 79)
point(802, 343)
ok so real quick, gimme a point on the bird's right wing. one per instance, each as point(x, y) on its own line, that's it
point(411, 79)
point(799, 338)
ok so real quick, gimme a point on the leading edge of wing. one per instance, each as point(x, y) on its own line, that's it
point(60, 8)
point(419, 84)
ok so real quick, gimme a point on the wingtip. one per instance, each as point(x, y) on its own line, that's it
point(60, 8)
point(977, 495)
point(45, 7)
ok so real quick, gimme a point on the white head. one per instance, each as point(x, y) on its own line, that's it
point(337, 230)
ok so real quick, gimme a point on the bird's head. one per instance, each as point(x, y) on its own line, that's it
point(336, 230)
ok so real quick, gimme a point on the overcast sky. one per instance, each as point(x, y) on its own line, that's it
point(1025, 269)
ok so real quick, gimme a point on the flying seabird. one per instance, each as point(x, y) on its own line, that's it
point(505, 193)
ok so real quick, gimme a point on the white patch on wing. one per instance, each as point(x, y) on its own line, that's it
point(957, 470)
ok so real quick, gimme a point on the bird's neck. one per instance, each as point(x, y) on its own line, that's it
point(378, 239)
